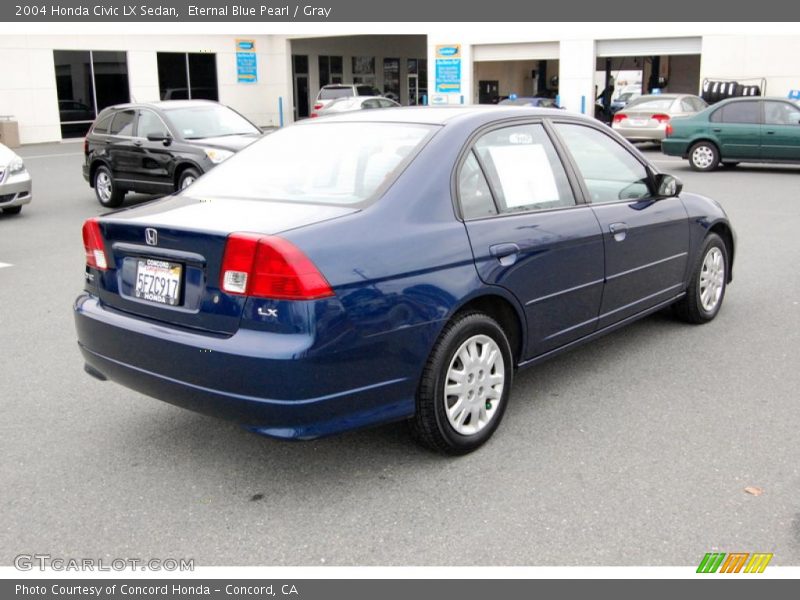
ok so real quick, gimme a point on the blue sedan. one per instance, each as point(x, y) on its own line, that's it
point(393, 265)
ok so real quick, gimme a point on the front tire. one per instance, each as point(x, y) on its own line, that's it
point(465, 386)
point(106, 189)
point(187, 178)
point(707, 287)
point(703, 156)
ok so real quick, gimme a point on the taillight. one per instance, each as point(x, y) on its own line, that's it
point(619, 117)
point(93, 244)
point(314, 115)
point(86, 146)
point(270, 267)
point(661, 118)
point(668, 130)
point(318, 105)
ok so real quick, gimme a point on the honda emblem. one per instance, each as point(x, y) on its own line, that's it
point(151, 236)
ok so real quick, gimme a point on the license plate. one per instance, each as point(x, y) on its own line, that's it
point(158, 281)
point(637, 122)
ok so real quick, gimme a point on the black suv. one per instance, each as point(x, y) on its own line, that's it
point(160, 147)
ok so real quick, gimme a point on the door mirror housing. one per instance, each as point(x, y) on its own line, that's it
point(667, 186)
point(160, 137)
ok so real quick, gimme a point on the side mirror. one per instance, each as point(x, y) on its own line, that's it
point(667, 185)
point(160, 137)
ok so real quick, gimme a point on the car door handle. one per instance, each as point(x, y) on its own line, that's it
point(770, 133)
point(619, 231)
point(717, 130)
point(506, 253)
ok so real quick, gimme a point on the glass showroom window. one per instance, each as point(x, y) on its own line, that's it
point(364, 70)
point(187, 76)
point(330, 70)
point(391, 78)
point(86, 83)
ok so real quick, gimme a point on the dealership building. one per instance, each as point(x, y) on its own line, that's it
point(54, 85)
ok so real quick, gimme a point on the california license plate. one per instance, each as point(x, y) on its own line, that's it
point(637, 122)
point(158, 281)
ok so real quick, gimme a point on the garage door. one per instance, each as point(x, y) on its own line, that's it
point(532, 51)
point(649, 47)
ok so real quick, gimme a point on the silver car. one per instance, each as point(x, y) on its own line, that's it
point(645, 119)
point(15, 182)
point(341, 105)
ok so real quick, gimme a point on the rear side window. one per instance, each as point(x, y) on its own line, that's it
point(103, 124)
point(738, 112)
point(473, 191)
point(366, 90)
point(122, 123)
point(523, 169)
point(610, 172)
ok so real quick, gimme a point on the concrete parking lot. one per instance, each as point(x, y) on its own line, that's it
point(633, 450)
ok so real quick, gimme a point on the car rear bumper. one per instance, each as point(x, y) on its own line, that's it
point(267, 382)
point(16, 190)
point(674, 147)
point(642, 134)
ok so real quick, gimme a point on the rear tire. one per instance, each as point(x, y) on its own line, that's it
point(106, 189)
point(707, 287)
point(12, 210)
point(465, 386)
point(703, 156)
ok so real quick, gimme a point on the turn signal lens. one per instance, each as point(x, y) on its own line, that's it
point(93, 245)
point(270, 267)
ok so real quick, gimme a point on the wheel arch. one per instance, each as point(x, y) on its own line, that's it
point(96, 164)
point(724, 231)
point(505, 311)
point(705, 138)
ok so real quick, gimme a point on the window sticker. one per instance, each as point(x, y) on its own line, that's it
point(525, 174)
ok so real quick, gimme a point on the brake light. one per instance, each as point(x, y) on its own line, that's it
point(619, 117)
point(86, 146)
point(313, 115)
point(661, 118)
point(270, 267)
point(93, 244)
point(318, 105)
point(668, 130)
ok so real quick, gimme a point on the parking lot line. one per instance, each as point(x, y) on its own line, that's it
point(3, 265)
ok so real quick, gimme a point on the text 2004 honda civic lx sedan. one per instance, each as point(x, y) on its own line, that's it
point(398, 265)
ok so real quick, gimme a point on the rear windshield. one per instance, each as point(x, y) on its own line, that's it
point(333, 93)
point(651, 104)
point(327, 163)
point(208, 120)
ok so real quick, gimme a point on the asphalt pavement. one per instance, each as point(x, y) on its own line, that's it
point(633, 450)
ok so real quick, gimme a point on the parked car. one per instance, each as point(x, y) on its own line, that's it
point(388, 265)
point(645, 118)
point(623, 100)
point(329, 93)
point(737, 130)
point(15, 182)
point(529, 101)
point(349, 104)
point(160, 147)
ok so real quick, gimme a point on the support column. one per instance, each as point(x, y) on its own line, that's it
point(576, 75)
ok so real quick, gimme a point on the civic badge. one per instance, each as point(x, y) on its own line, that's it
point(151, 236)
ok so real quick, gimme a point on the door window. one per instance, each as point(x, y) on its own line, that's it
point(122, 123)
point(739, 112)
point(610, 172)
point(524, 170)
point(150, 124)
point(473, 191)
point(781, 113)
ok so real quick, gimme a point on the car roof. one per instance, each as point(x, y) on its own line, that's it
point(161, 104)
point(441, 115)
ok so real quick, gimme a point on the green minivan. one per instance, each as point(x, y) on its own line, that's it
point(737, 130)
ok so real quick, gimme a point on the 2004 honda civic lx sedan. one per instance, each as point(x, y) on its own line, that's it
point(390, 265)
